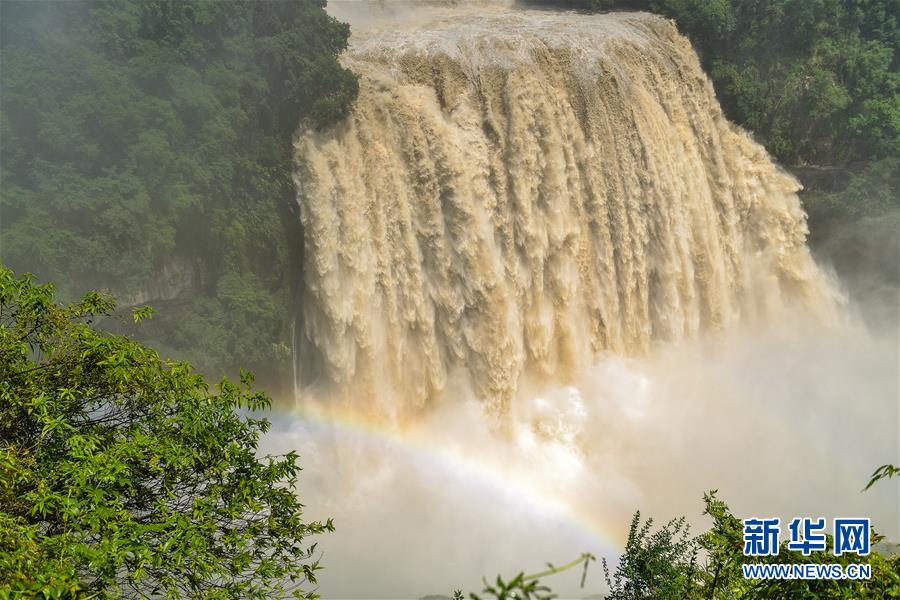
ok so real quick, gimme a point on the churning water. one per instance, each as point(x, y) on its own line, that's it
point(546, 283)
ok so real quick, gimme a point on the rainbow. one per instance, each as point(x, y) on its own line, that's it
point(601, 538)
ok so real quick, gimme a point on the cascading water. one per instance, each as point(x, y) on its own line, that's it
point(518, 191)
point(545, 214)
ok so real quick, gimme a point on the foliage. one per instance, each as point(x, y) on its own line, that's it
point(870, 190)
point(123, 474)
point(517, 588)
point(528, 587)
point(663, 565)
point(669, 564)
point(657, 565)
point(146, 148)
point(854, 217)
point(816, 80)
point(818, 83)
point(883, 472)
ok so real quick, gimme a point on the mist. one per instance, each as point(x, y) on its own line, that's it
point(784, 401)
point(510, 271)
point(784, 421)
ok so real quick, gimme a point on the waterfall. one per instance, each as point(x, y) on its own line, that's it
point(518, 191)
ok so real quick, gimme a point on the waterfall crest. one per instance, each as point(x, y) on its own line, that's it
point(518, 191)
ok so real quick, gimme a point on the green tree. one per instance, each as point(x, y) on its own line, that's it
point(145, 148)
point(123, 474)
point(664, 565)
point(655, 565)
point(818, 84)
point(816, 80)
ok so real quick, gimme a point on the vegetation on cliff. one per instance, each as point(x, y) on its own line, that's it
point(121, 472)
point(146, 149)
point(816, 81)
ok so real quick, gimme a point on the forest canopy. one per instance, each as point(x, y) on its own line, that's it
point(145, 146)
point(817, 82)
point(146, 149)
